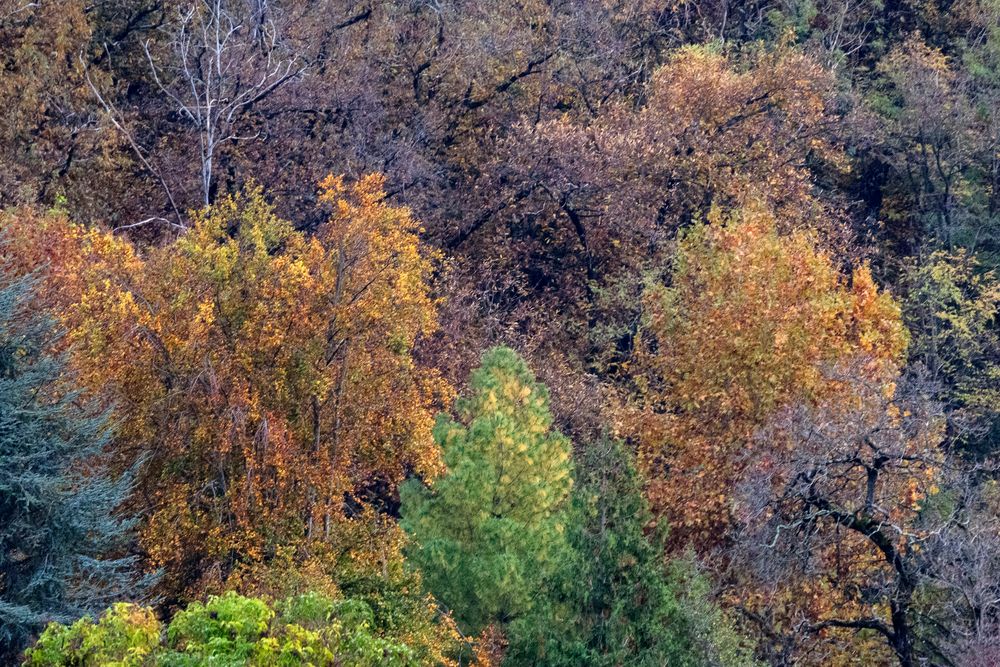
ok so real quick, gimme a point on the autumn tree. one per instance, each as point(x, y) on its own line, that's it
point(490, 534)
point(751, 324)
point(65, 65)
point(583, 209)
point(784, 438)
point(263, 375)
point(748, 323)
point(837, 517)
point(63, 542)
point(853, 526)
point(412, 90)
point(940, 143)
point(951, 309)
point(48, 122)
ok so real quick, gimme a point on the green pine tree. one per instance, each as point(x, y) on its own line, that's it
point(628, 612)
point(57, 506)
point(616, 600)
point(491, 533)
point(631, 606)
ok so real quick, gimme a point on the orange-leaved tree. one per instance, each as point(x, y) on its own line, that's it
point(763, 363)
point(575, 212)
point(749, 323)
point(263, 377)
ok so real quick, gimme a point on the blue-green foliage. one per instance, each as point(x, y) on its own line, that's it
point(617, 600)
point(57, 505)
point(624, 607)
point(630, 605)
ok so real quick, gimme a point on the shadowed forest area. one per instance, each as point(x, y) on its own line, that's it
point(500, 332)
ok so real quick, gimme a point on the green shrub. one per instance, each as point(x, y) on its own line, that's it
point(226, 631)
point(126, 635)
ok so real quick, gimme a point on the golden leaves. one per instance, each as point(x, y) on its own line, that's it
point(750, 323)
point(262, 373)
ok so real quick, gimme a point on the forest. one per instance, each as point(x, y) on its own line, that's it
point(500, 332)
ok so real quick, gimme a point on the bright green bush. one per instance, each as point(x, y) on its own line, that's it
point(126, 635)
point(227, 631)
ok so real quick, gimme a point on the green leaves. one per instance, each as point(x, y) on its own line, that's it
point(489, 533)
point(229, 630)
point(230, 625)
point(125, 636)
point(503, 539)
point(952, 307)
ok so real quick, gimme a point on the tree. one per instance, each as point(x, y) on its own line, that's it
point(363, 561)
point(569, 580)
point(951, 309)
point(267, 377)
point(839, 511)
point(62, 540)
point(49, 122)
point(629, 612)
point(126, 634)
point(748, 324)
point(958, 603)
point(940, 141)
point(752, 324)
point(491, 533)
point(64, 63)
point(583, 209)
point(627, 604)
point(224, 58)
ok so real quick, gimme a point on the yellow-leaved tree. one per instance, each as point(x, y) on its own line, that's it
point(263, 377)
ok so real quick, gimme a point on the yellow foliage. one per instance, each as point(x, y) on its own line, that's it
point(261, 374)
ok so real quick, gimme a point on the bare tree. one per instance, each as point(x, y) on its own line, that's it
point(223, 57)
point(962, 570)
point(859, 493)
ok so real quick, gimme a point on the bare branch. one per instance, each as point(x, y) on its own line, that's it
point(113, 116)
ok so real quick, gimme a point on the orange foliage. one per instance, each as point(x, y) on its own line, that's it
point(772, 419)
point(734, 135)
point(750, 323)
point(260, 374)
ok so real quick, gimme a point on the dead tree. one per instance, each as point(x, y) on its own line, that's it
point(222, 58)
